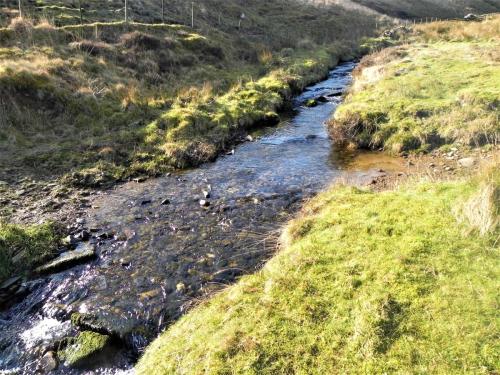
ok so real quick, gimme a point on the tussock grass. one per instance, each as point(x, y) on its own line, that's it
point(445, 91)
point(366, 283)
point(23, 248)
point(482, 210)
point(460, 31)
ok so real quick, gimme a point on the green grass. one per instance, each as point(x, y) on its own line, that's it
point(435, 93)
point(366, 283)
point(106, 101)
point(23, 248)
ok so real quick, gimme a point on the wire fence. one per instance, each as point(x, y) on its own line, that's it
point(183, 12)
point(188, 13)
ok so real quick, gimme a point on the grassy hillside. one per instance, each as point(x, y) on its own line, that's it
point(110, 100)
point(442, 89)
point(431, 8)
point(393, 282)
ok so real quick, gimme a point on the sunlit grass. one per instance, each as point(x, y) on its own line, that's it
point(366, 283)
point(442, 92)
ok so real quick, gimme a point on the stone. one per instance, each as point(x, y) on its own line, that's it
point(322, 99)
point(206, 194)
point(49, 362)
point(249, 138)
point(70, 240)
point(140, 179)
point(86, 346)
point(471, 17)
point(467, 162)
point(83, 236)
point(204, 203)
point(8, 284)
point(180, 287)
point(311, 103)
point(228, 274)
point(334, 94)
point(68, 259)
point(124, 262)
point(165, 202)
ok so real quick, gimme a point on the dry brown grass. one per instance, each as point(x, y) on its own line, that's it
point(460, 30)
point(21, 25)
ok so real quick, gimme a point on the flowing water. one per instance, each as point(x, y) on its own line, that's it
point(160, 252)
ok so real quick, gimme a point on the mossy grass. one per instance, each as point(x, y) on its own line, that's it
point(24, 247)
point(421, 96)
point(389, 282)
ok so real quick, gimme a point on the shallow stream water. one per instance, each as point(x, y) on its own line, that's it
point(160, 252)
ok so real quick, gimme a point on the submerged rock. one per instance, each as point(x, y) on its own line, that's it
point(311, 103)
point(48, 363)
point(82, 253)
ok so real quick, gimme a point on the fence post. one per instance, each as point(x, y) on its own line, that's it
point(163, 11)
point(192, 14)
point(20, 9)
point(81, 11)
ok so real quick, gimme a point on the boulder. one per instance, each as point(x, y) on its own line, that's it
point(82, 253)
point(471, 17)
point(467, 162)
point(85, 348)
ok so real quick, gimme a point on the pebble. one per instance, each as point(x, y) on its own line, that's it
point(165, 202)
point(204, 203)
point(83, 236)
point(180, 287)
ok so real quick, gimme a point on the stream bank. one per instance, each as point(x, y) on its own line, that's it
point(163, 245)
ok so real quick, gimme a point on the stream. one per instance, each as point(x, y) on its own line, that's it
point(160, 250)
